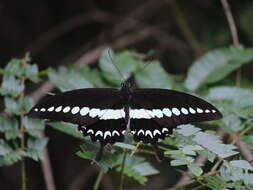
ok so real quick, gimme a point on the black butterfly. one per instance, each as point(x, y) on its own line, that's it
point(105, 114)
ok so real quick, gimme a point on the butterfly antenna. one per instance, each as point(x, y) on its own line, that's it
point(117, 68)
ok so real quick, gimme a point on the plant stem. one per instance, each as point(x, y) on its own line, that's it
point(22, 144)
point(122, 171)
point(98, 181)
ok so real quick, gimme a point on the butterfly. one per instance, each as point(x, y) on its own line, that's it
point(106, 114)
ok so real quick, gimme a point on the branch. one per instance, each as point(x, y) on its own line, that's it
point(231, 22)
point(185, 29)
point(246, 152)
point(47, 171)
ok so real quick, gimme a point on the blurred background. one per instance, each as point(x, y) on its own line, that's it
point(76, 32)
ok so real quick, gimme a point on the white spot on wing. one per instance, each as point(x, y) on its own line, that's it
point(101, 113)
point(58, 109)
point(107, 133)
point(43, 109)
point(157, 113)
point(123, 114)
point(164, 130)
point(90, 131)
point(84, 111)
point(50, 109)
point(66, 109)
point(207, 111)
point(167, 112)
point(99, 133)
point(184, 111)
point(213, 111)
point(140, 131)
point(36, 109)
point(192, 110)
point(111, 114)
point(139, 114)
point(199, 110)
point(115, 132)
point(150, 112)
point(148, 132)
point(75, 110)
point(156, 132)
point(94, 112)
point(176, 111)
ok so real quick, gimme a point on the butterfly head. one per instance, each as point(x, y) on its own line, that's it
point(126, 86)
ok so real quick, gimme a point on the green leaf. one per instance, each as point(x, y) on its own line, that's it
point(37, 143)
point(125, 146)
point(195, 169)
point(26, 103)
point(68, 79)
point(8, 124)
point(138, 169)
point(216, 65)
point(67, 128)
point(215, 182)
point(14, 156)
point(178, 162)
point(34, 154)
point(241, 164)
point(109, 160)
point(237, 172)
point(11, 105)
point(31, 72)
point(30, 123)
point(14, 68)
point(153, 76)
point(130, 172)
point(125, 61)
point(241, 97)
point(11, 86)
point(4, 148)
point(232, 123)
point(12, 134)
point(205, 140)
point(93, 76)
point(191, 149)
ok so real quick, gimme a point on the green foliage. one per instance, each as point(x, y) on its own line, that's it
point(68, 79)
point(14, 127)
point(188, 141)
point(67, 128)
point(216, 65)
point(153, 75)
point(206, 76)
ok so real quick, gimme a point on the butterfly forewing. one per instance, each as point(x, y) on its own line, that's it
point(82, 106)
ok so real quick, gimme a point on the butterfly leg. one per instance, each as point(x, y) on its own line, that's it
point(158, 153)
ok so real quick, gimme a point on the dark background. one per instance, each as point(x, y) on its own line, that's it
point(60, 32)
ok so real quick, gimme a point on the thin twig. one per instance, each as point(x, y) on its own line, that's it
point(122, 171)
point(231, 22)
point(246, 152)
point(47, 170)
point(184, 28)
point(98, 181)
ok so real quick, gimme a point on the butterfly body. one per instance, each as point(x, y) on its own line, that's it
point(105, 114)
